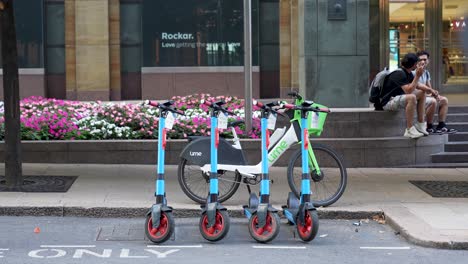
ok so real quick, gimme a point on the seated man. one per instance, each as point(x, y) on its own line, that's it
point(399, 90)
point(433, 99)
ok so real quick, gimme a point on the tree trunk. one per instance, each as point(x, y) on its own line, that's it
point(13, 168)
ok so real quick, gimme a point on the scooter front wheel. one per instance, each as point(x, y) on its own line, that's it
point(309, 228)
point(220, 228)
point(164, 231)
point(266, 233)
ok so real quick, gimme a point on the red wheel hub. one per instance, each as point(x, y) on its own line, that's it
point(216, 228)
point(260, 230)
point(161, 230)
point(305, 228)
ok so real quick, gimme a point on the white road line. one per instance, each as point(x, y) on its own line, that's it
point(397, 248)
point(4, 249)
point(175, 246)
point(278, 247)
point(67, 246)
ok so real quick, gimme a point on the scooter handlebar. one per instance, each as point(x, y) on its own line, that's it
point(288, 106)
point(152, 103)
point(164, 106)
point(257, 103)
point(217, 106)
point(227, 111)
point(203, 101)
point(179, 112)
point(325, 110)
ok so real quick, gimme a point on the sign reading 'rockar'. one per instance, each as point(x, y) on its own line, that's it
point(178, 35)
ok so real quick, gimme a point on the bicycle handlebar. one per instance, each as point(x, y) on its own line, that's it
point(306, 108)
point(295, 95)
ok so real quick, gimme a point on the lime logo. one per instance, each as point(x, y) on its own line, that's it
point(277, 151)
point(195, 154)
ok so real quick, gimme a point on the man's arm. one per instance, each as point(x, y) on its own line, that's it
point(409, 88)
point(434, 92)
point(425, 88)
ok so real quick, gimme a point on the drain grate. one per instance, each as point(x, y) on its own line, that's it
point(443, 189)
point(41, 184)
point(122, 232)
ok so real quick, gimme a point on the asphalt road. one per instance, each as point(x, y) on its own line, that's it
point(106, 240)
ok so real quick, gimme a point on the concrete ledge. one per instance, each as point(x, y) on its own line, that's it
point(362, 136)
point(360, 122)
point(356, 152)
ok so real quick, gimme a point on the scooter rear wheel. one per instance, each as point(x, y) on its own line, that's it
point(220, 228)
point(308, 230)
point(266, 233)
point(164, 230)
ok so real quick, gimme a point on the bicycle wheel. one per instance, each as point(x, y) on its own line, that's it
point(196, 185)
point(326, 188)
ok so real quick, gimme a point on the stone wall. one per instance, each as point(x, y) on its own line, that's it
point(92, 49)
point(334, 54)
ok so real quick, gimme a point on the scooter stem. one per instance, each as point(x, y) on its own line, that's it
point(214, 160)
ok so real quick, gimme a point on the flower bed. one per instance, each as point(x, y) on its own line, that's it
point(52, 119)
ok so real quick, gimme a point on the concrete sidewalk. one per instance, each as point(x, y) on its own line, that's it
point(127, 191)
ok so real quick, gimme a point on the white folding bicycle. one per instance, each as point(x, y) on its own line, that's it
point(328, 180)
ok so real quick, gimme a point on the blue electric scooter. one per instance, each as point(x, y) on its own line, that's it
point(214, 222)
point(159, 225)
point(264, 222)
point(302, 213)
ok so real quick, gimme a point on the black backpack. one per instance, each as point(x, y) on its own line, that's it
point(376, 88)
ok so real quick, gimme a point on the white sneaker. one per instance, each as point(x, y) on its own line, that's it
point(413, 133)
point(421, 127)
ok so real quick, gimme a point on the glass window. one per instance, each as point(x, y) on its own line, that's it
point(406, 29)
point(130, 49)
point(130, 36)
point(55, 37)
point(455, 42)
point(195, 33)
point(28, 20)
point(55, 49)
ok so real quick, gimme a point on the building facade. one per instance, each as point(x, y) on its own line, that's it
point(154, 49)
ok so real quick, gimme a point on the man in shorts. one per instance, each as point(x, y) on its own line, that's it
point(400, 92)
point(433, 99)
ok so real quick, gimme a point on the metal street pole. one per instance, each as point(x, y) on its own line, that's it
point(13, 168)
point(248, 64)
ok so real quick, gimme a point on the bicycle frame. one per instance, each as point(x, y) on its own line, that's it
point(283, 144)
